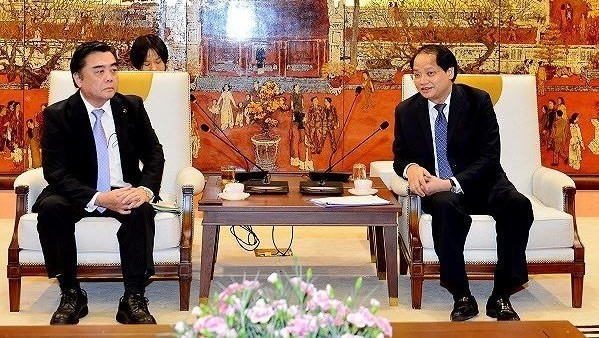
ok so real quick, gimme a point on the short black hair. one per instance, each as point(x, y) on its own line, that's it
point(85, 49)
point(141, 45)
point(443, 57)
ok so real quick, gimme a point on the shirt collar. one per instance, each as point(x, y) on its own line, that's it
point(89, 107)
point(431, 104)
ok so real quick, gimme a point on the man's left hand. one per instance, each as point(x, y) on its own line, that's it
point(133, 197)
point(436, 184)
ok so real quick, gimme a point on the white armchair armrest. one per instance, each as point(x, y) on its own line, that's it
point(191, 176)
point(399, 185)
point(548, 184)
point(34, 179)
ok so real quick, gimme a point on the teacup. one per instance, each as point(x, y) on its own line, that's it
point(233, 188)
point(363, 185)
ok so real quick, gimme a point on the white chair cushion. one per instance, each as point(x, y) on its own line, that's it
point(384, 170)
point(551, 228)
point(90, 239)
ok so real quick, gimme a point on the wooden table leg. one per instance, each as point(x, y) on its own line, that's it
point(371, 243)
point(381, 269)
point(390, 235)
point(209, 234)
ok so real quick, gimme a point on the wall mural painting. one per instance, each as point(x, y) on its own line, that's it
point(296, 84)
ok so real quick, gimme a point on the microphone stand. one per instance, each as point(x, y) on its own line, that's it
point(263, 186)
point(324, 182)
point(351, 108)
point(195, 101)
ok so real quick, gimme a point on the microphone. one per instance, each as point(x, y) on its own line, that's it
point(264, 185)
point(205, 128)
point(327, 182)
point(193, 100)
point(351, 108)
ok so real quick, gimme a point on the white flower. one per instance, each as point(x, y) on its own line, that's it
point(273, 278)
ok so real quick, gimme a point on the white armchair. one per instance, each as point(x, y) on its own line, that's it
point(166, 98)
point(554, 245)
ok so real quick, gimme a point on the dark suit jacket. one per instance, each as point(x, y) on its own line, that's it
point(69, 153)
point(473, 147)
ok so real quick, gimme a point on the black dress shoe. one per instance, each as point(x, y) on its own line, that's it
point(502, 309)
point(72, 307)
point(464, 308)
point(133, 309)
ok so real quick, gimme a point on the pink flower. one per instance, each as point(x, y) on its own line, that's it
point(261, 312)
point(302, 326)
point(211, 324)
point(384, 325)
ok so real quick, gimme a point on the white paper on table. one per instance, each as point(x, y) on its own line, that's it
point(349, 201)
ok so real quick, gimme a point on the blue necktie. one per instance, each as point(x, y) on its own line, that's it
point(441, 142)
point(103, 183)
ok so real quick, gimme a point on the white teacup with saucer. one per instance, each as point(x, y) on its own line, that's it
point(233, 192)
point(362, 187)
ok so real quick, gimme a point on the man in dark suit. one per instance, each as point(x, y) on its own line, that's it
point(447, 147)
point(92, 145)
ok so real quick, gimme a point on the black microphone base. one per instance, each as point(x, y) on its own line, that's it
point(242, 176)
point(272, 187)
point(320, 176)
point(321, 188)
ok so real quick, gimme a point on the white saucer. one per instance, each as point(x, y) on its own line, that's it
point(362, 192)
point(236, 197)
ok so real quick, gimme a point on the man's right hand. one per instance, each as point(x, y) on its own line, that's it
point(417, 179)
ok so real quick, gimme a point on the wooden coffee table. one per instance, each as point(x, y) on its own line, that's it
point(296, 209)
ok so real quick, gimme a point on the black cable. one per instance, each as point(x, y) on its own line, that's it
point(279, 252)
point(252, 241)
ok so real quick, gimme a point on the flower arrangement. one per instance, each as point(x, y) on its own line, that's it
point(290, 308)
point(270, 102)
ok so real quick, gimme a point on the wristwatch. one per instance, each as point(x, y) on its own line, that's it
point(454, 188)
point(149, 193)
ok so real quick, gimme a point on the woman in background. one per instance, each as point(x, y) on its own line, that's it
point(148, 52)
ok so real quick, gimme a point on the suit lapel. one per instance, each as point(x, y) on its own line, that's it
point(424, 122)
point(457, 107)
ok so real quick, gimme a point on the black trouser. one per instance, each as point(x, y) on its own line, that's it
point(451, 222)
point(56, 227)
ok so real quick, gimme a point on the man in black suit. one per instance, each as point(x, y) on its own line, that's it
point(92, 145)
point(447, 147)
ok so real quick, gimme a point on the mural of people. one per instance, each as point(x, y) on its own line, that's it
point(561, 105)
point(368, 90)
point(331, 123)
point(559, 139)
point(297, 128)
point(33, 150)
point(226, 103)
point(594, 144)
point(3, 126)
point(214, 109)
point(314, 123)
point(576, 143)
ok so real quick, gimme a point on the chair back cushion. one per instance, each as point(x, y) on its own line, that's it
point(514, 99)
point(166, 99)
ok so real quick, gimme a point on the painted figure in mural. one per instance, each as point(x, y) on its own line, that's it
point(3, 126)
point(594, 144)
point(314, 123)
point(226, 104)
point(148, 52)
point(576, 143)
point(33, 151)
point(558, 135)
point(80, 185)
point(255, 91)
point(368, 90)
point(239, 117)
point(541, 77)
point(547, 129)
point(214, 109)
point(460, 176)
point(14, 132)
point(297, 129)
point(561, 105)
point(331, 123)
